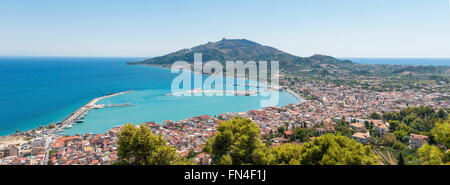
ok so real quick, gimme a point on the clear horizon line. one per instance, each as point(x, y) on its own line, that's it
point(148, 57)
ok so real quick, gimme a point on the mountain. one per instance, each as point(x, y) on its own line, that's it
point(246, 50)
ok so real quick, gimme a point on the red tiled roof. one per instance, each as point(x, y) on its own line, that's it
point(289, 132)
point(61, 142)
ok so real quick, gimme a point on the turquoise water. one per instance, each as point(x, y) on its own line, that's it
point(152, 105)
point(38, 91)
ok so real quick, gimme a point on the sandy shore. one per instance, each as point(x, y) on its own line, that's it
point(12, 140)
point(20, 138)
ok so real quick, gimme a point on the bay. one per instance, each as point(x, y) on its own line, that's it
point(42, 90)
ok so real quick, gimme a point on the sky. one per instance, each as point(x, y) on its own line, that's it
point(148, 28)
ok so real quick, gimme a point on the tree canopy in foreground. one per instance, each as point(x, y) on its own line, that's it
point(336, 150)
point(139, 146)
point(237, 142)
point(234, 142)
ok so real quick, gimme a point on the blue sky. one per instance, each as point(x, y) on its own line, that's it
point(340, 28)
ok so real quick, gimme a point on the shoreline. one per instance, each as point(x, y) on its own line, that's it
point(77, 116)
point(280, 88)
point(86, 108)
point(52, 129)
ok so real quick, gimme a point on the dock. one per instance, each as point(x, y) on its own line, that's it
point(235, 93)
point(119, 105)
point(271, 87)
point(79, 114)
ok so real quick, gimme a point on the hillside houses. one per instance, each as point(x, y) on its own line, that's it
point(416, 140)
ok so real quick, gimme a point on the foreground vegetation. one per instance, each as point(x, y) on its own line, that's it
point(238, 142)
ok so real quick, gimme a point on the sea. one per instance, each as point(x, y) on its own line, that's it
point(38, 91)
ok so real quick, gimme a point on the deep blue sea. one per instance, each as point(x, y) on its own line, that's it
point(38, 91)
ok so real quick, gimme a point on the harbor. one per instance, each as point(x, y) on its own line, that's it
point(195, 91)
point(79, 114)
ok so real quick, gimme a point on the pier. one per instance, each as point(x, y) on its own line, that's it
point(235, 93)
point(119, 105)
point(78, 115)
point(272, 87)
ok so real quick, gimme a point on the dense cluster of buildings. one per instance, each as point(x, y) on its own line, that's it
point(358, 102)
point(331, 103)
point(87, 149)
point(29, 153)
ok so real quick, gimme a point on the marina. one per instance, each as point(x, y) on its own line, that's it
point(78, 115)
point(235, 93)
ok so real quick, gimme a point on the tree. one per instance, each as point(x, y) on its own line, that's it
point(390, 140)
point(410, 118)
point(263, 156)
point(441, 114)
point(401, 160)
point(343, 128)
point(441, 133)
point(225, 160)
point(402, 131)
point(394, 116)
point(302, 134)
point(237, 138)
point(393, 125)
point(336, 150)
point(430, 155)
point(287, 154)
point(375, 115)
point(191, 154)
point(280, 129)
point(139, 146)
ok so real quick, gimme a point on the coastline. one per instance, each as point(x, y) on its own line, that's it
point(74, 117)
point(280, 88)
point(51, 130)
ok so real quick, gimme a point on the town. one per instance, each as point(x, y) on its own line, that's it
point(325, 105)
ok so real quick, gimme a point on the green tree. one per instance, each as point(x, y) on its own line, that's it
point(343, 128)
point(401, 160)
point(410, 118)
point(263, 156)
point(441, 133)
point(139, 146)
point(375, 115)
point(191, 154)
point(393, 125)
point(402, 131)
point(280, 129)
point(302, 134)
point(237, 138)
point(390, 140)
point(225, 160)
point(430, 155)
point(441, 114)
point(336, 150)
point(287, 154)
